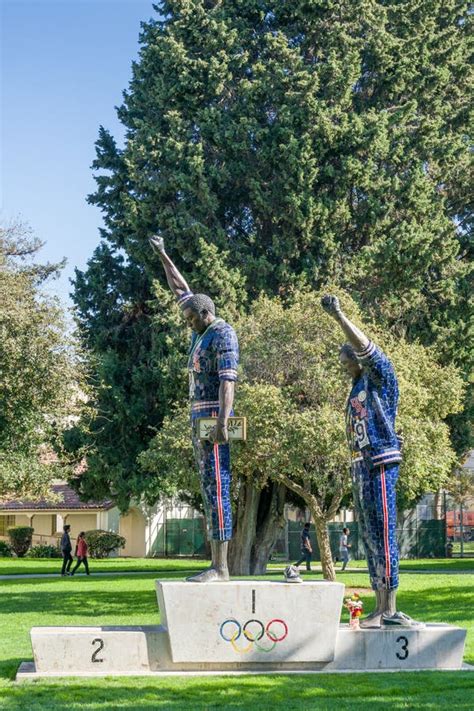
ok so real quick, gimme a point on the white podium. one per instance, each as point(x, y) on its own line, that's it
point(249, 621)
point(241, 627)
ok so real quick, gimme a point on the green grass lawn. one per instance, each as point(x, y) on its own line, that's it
point(23, 566)
point(441, 596)
point(419, 564)
point(468, 547)
point(32, 566)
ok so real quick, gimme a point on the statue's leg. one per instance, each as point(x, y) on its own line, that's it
point(359, 491)
point(390, 616)
point(214, 467)
point(219, 558)
point(375, 528)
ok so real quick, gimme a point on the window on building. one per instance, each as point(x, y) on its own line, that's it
point(54, 524)
point(5, 523)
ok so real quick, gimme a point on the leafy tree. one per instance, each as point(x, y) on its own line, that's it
point(294, 395)
point(258, 501)
point(39, 375)
point(311, 141)
point(461, 485)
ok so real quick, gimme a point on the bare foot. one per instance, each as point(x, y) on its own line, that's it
point(211, 575)
point(372, 620)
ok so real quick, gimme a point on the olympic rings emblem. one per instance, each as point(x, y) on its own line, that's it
point(255, 632)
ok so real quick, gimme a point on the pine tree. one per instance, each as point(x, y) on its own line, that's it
point(307, 141)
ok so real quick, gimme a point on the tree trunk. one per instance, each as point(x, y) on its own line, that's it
point(322, 534)
point(240, 548)
point(270, 521)
point(258, 520)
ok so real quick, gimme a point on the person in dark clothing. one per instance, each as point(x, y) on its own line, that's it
point(66, 549)
point(306, 548)
point(81, 552)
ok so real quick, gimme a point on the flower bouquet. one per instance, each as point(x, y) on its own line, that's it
point(355, 606)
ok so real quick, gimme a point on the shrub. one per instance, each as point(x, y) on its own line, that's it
point(20, 537)
point(101, 543)
point(44, 551)
point(5, 550)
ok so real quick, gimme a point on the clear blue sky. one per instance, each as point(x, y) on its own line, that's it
point(64, 65)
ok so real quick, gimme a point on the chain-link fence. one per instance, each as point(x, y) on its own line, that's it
point(431, 530)
point(418, 539)
point(180, 537)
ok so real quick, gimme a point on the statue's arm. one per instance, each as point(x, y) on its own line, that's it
point(369, 355)
point(354, 335)
point(228, 360)
point(175, 279)
point(226, 403)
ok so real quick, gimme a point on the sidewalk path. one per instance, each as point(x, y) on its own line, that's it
point(106, 574)
point(99, 574)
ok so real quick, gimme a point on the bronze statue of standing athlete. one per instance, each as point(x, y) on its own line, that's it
point(212, 365)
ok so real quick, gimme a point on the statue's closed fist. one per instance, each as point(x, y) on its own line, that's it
point(157, 242)
point(331, 305)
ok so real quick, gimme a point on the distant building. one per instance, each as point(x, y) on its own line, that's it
point(144, 528)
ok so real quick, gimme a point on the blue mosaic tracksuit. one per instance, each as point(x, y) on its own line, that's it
point(214, 357)
point(371, 413)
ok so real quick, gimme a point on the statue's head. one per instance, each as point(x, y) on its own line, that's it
point(199, 311)
point(349, 361)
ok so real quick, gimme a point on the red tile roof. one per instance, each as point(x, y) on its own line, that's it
point(69, 501)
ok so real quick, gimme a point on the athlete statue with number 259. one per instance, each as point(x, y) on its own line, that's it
point(376, 456)
point(212, 367)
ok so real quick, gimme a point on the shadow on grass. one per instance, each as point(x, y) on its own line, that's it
point(440, 604)
point(421, 690)
point(91, 579)
point(100, 574)
point(102, 603)
point(158, 572)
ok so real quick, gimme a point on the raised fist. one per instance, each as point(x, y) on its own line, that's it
point(157, 243)
point(331, 305)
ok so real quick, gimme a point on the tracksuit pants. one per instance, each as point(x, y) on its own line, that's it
point(213, 462)
point(375, 504)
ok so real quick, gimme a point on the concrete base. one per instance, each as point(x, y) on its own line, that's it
point(251, 621)
point(27, 672)
point(242, 627)
point(145, 651)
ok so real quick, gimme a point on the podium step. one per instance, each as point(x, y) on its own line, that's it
point(124, 651)
point(251, 621)
point(242, 627)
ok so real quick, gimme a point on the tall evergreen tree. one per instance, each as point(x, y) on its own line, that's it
point(308, 140)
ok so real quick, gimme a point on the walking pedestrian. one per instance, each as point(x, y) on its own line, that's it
point(344, 547)
point(66, 549)
point(81, 552)
point(306, 548)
